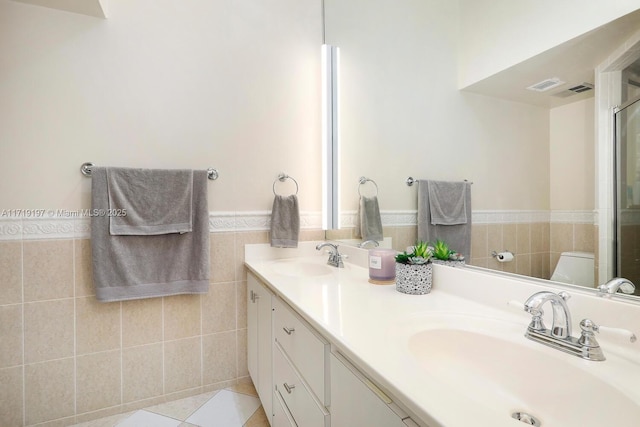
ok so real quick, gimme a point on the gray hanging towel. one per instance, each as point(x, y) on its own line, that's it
point(447, 202)
point(157, 201)
point(368, 221)
point(457, 236)
point(285, 222)
point(133, 267)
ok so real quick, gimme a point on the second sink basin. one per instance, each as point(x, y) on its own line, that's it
point(297, 268)
point(511, 374)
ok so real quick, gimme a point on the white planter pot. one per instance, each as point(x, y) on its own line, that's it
point(414, 279)
point(449, 263)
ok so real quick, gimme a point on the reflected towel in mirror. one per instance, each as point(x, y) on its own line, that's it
point(368, 221)
point(457, 236)
point(447, 202)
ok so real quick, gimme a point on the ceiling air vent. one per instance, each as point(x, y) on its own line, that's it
point(545, 85)
point(581, 88)
point(574, 90)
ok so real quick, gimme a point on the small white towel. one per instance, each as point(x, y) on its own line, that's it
point(285, 222)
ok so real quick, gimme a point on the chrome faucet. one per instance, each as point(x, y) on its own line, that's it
point(374, 242)
point(612, 286)
point(559, 336)
point(335, 258)
point(561, 327)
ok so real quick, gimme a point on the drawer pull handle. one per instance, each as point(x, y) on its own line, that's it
point(289, 331)
point(289, 387)
point(253, 296)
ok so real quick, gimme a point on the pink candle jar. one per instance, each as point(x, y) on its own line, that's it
point(382, 266)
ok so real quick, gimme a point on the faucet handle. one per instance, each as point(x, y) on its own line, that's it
point(588, 326)
point(620, 332)
point(520, 306)
point(536, 315)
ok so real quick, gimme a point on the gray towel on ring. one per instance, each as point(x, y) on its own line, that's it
point(285, 222)
point(368, 221)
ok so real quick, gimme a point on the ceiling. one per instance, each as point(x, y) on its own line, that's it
point(573, 62)
point(95, 8)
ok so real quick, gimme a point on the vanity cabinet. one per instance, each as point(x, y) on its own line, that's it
point(356, 401)
point(259, 340)
point(301, 382)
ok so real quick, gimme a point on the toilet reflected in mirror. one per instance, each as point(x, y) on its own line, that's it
point(576, 268)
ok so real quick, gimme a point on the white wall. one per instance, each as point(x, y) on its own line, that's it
point(572, 152)
point(403, 115)
point(235, 85)
point(160, 83)
point(497, 34)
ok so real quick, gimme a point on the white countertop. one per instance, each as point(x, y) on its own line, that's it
point(371, 324)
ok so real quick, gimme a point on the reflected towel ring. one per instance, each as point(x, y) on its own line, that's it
point(282, 177)
point(363, 180)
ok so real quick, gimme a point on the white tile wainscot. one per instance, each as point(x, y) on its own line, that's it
point(369, 329)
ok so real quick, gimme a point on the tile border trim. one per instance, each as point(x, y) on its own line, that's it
point(60, 227)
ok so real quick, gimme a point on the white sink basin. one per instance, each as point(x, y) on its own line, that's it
point(508, 373)
point(296, 268)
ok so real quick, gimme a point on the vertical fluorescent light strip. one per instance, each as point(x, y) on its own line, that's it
point(325, 52)
point(330, 138)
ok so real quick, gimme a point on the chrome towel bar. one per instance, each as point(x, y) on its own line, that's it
point(411, 180)
point(212, 173)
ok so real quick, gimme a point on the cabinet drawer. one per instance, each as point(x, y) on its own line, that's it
point(304, 408)
point(308, 351)
point(281, 416)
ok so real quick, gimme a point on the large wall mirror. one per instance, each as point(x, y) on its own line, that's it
point(402, 113)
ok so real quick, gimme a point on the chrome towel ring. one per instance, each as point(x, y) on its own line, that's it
point(363, 180)
point(282, 177)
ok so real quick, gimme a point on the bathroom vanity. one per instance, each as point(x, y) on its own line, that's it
point(328, 348)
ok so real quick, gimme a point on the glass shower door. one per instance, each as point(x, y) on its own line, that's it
point(627, 125)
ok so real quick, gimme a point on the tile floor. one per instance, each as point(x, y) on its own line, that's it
point(236, 406)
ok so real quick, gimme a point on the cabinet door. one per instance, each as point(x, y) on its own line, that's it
point(354, 401)
point(265, 350)
point(252, 328)
point(259, 338)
